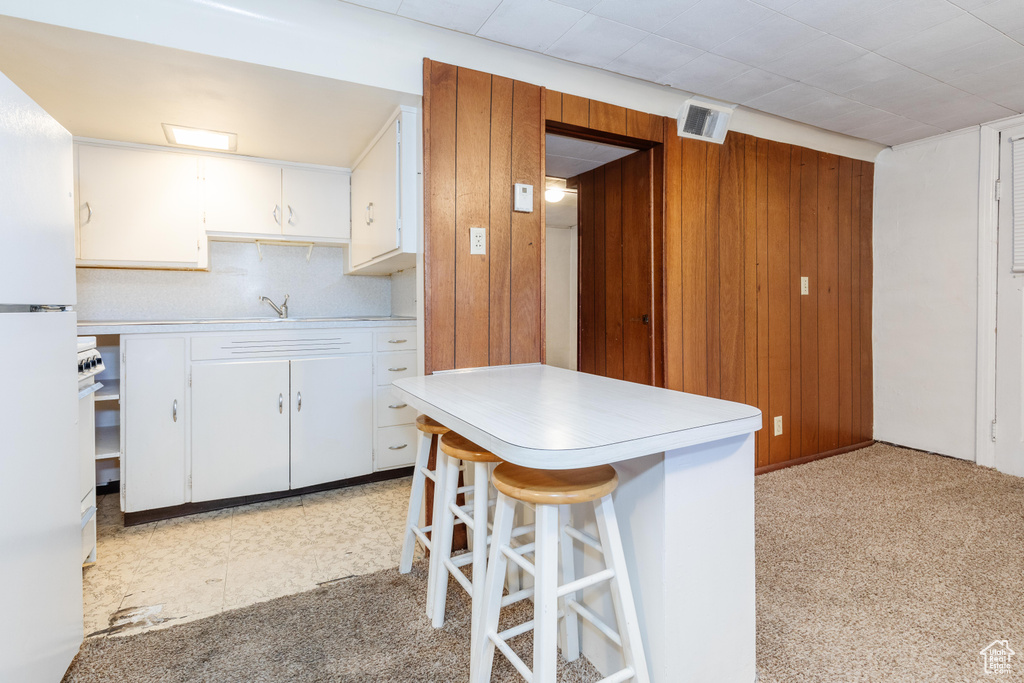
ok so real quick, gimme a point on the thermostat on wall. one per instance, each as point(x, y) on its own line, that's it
point(524, 198)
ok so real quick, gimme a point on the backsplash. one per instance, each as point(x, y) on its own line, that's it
point(233, 285)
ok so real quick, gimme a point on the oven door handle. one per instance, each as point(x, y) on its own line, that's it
point(90, 390)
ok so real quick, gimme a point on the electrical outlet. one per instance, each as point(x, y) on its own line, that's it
point(805, 288)
point(477, 241)
point(778, 426)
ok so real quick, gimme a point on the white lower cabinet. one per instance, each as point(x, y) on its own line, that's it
point(240, 426)
point(332, 418)
point(267, 411)
point(154, 466)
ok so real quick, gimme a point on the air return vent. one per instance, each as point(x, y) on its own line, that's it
point(704, 120)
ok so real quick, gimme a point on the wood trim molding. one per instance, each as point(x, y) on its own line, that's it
point(811, 458)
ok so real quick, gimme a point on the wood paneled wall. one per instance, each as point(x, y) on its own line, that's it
point(734, 227)
point(744, 222)
point(615, 282)
point(482, 134)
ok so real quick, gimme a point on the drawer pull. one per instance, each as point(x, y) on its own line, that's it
point(397, 448)
point(403, 369)
point(397, 341)
point(280, 403)
point(399, 406)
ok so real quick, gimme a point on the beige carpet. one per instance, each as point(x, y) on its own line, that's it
point(881, 565)
point(362, 629)
point(888, 564)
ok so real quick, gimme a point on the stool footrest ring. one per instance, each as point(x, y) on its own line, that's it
point(596, 621)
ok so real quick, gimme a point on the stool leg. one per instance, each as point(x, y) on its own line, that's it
point(481, 483)
point(482, 654)
point(545, 599)
point(571, 625)
point(440, 473)
point(443, 545)
point(412, 517)
point(622, 595)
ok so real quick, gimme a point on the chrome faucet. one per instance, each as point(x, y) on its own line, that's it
point(282, 310)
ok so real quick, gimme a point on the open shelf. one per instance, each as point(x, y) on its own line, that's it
point(111, 390)
point(108, 442)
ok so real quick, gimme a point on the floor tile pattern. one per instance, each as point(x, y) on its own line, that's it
point(163, 573)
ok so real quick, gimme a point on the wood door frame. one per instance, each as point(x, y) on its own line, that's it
point(650, 142)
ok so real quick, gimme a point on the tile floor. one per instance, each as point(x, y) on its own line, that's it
point(164, 573)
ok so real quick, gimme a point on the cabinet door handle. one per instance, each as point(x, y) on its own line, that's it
point(276, 210)
point(280, 403)
point(397, 341)
point(398, 406)
point(369, 213)
point(397, 448)
point(174, 410)
point(397, 369)
point(88, 208)
point(291, 215)
point(298, 398)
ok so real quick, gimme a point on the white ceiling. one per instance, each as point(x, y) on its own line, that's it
point(568, 157)
point(114, 89)
point(884, 70)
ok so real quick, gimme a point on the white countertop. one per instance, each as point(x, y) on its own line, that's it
point(93, 327)
point(545, 417)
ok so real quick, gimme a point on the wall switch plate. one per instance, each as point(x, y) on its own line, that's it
point(477, 241)
point(805, 288)
point(778, 426)
point(523, 198)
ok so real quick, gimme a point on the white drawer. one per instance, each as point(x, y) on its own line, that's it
point(280, 344)
point(392, 410)
point(396, 447)
point(398, 339)
point(392, 366)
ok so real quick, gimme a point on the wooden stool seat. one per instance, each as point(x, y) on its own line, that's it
point(429, 425)
point(554, 487)
point(458, 446)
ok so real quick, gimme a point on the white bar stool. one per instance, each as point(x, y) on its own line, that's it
point(551, 492)
point(430, 431)
point(458, 449)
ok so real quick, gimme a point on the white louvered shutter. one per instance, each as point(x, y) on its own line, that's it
point(1017, 183)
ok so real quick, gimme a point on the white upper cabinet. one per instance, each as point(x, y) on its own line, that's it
point(315, 203)
point(139, 207)
point(385, 199)
point(241, 196)
point(266, 200)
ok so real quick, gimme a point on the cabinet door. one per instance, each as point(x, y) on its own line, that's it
point(332, 419)
point(240, 418)
point(138, 205)
point(154, 469)
point(242, 196)
point(375, 199)
point(316, 203)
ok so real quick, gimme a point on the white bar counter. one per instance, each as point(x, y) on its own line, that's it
point(685, 500)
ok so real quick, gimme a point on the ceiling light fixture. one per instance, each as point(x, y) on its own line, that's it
point(197, 137)
point(554, 194)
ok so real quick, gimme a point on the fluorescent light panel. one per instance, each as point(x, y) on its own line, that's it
point(197, 137)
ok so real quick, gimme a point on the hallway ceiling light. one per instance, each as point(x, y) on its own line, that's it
point(197, 137)
point(554, 194)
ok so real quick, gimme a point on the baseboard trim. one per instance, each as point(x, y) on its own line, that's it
point(811, 458)
point(145, 516)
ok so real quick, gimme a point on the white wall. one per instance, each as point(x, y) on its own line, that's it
point(233, 285)
point(339, 40)
point(561, 296)
point(925, 293)
point(403, 293)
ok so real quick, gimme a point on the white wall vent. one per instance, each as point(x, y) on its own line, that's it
point(1017, 197)
point(704, 120)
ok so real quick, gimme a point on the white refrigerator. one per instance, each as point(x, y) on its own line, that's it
point(40, 517)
